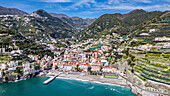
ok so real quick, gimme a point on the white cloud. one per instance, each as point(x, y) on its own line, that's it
point(82, 2)
point(54, 1)
point(143, 1)
point(108, 5)
point(132, 7)
point(113, 1)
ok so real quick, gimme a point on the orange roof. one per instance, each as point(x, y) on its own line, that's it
point(67, 64)
point(111, 67)
point(52, 61)
point(108, 67)
point(95, 65)
point(86, 64)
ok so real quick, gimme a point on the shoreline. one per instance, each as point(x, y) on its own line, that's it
point(87, 78)
point(97, 79)
point(94, 79)
point(84, 78)
point(98, 82)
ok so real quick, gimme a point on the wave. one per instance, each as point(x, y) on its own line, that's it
point(2, 91)
point(91, 87)
point(113, 89)
point(89, 81)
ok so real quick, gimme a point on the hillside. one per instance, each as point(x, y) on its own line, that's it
point(55, 26)
point(59, 15)
point(76, 22)
point(11, 11)
point(120, 23)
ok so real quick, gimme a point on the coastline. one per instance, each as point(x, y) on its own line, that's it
point(94, 79)
point(97, 79)
point(87, 78)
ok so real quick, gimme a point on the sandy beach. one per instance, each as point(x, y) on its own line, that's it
point(94, 79)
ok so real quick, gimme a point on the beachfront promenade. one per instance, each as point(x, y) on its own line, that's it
point(141, 89)
point(51, 79)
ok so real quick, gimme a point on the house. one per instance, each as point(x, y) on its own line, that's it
point(3, 66)
point(145, 47)
point(16, 51)
point(13, 63)
point(109, 69)
point(152, 30)
point(103, 58)
point(1, 73)
point(67, 67)
point(166, 45)
point(60, 66)
point(105, 63)
point(12, 69)
point(144, 34)
point(84, 67)
point(95, 68)
point(104, 48)
point(74, 66)
point(2, 50)
point(162, 39)
point(54, 66)
point(28, 68)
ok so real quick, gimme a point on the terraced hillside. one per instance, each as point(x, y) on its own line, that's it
point(122, 24)
point(149, 55)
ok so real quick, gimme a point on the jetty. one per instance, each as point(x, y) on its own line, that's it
point(50, 79)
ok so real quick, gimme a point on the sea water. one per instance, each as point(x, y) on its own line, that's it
point(61, 87)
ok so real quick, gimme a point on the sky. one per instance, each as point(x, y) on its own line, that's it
point(87, 8)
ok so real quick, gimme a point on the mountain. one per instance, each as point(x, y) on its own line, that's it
point(139, 16)
point(166, 16)
point(76, 22)
point(42, 25)
point(11, 11)
point(122, 24)
point(157, 28)
point(89, 21)
point(59, 15)
point(55, 26)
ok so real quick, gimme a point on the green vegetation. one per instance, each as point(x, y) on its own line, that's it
point(118, 23)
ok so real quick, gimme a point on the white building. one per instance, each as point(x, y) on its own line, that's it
point(144, 34)
point(1, 73)
point(109, 69)
point(84, 67)
point(152, 30)
point(162, 39)
point(3, 66)
point(67, 68)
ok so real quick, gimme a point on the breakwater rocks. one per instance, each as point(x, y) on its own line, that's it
point(17, 77)
point(138, 87)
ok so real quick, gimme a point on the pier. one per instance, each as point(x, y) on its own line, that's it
point(51, 79)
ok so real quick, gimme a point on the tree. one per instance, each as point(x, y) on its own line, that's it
point(18, 70)
point(132, 64)
point(129, 61)
point(89, 69)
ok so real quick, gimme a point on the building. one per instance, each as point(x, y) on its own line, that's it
point(95, 68)
point(3, 66)
point(109, 69)
point(1, 73)
point(67, 67)
point(84, 67)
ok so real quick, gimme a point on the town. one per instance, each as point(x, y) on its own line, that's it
point(141, 58)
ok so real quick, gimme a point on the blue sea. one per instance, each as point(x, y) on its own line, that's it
point(60, 87)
